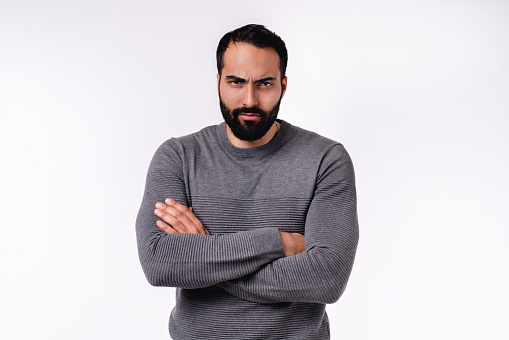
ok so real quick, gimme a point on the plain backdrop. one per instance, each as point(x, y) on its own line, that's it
point(417, 91)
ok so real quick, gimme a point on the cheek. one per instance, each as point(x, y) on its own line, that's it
point(228, 96)
point(270, 100)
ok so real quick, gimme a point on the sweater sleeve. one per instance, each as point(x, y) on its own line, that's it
point(193, 260)
point(321, 272)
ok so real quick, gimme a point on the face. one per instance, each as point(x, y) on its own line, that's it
point(250, 90)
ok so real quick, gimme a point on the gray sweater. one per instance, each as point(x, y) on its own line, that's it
point(236, 283)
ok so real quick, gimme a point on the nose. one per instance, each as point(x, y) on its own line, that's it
point(250, 96)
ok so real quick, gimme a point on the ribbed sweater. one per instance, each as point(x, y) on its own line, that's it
point(236, 282)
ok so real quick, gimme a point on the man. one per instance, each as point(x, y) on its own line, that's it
point(255, 220)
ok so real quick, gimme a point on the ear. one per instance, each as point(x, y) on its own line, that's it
point(283, 86)
point(218, 79)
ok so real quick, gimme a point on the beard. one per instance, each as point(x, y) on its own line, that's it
point(249, 130)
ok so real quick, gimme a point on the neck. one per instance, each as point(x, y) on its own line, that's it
point(247, 144)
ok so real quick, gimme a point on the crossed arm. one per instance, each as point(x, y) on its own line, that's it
point(314, 271)
point(178, 258)
point(263, 265)
point(176, 218)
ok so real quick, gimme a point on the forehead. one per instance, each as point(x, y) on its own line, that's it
point(246, 60)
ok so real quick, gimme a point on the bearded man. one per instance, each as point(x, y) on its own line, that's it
point(253, 220)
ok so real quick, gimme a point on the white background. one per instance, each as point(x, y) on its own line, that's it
point(417, 91)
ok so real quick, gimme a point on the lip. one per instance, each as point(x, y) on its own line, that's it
point(249, 116)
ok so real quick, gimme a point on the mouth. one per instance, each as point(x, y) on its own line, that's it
point(249, 116)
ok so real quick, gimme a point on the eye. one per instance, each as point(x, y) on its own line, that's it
point(235, 82)
point(265, 84)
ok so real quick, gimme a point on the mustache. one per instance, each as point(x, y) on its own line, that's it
point(253, 109)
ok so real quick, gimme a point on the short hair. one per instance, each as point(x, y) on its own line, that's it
point(256, 35)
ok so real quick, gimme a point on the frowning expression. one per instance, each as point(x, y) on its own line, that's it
point(250, 89)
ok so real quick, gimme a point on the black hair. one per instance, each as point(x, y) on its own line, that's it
point(258, 36)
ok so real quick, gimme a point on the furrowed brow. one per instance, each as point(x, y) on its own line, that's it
point(265, 79)
point(235, 78)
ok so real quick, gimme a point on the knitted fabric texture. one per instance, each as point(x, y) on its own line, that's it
point(236, 283)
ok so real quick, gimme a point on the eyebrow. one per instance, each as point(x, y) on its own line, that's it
point(265, 79)
point(242, 80)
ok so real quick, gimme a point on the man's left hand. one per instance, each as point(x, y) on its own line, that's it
point(178, 219)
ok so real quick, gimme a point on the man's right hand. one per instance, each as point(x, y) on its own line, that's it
point(293, 243)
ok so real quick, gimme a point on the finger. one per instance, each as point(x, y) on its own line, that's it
point(174, 222)
point(188, 212)
point(166, 228)
point(180, 217)
point(180, 207)
point(185, 224)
